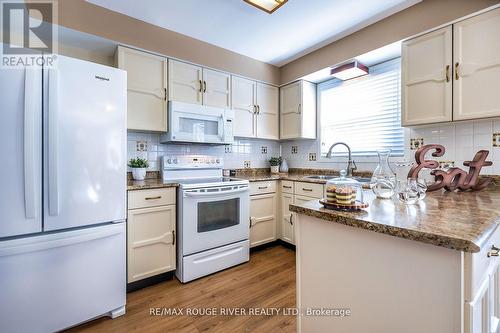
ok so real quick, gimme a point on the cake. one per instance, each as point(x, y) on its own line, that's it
point(345, 195)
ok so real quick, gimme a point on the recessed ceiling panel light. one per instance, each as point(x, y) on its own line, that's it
point(349, 71)
point(269, 6)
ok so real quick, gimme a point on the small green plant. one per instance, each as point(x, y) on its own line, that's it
point(138, 163)
point(274, 161)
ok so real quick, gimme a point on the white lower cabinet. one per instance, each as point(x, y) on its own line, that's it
point(262, 213)
point(292, 193)
point(287, 230)
point(150, 234)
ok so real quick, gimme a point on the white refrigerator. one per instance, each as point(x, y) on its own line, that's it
point(62, 195)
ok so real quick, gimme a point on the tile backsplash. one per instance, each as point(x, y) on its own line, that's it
point(461, 140)
point(235, 156)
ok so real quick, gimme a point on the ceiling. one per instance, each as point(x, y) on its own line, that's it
point(297, 28)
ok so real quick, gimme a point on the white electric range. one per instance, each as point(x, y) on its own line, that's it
point(212, 216)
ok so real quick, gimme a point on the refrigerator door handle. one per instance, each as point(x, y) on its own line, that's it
point(37, 244)
point(30, 103)
point(53, 143)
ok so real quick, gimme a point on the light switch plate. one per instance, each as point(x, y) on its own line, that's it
point(295, 149)
point(312, 157)
point(247, 165)
point(416, 143)
point(496, 139)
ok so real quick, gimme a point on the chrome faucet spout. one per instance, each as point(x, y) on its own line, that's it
point(351, 165)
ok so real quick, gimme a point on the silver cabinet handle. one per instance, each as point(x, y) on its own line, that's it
point(204, 86)
point(201, 86)
point(258, 109)
point(447, 73)
point(494, 252)
point(262, 187)
point(307, 189)
point(173, 237)
point(299, 108)
point(250, 222)
point(285, 186)
point(291, 218)
point(456, 71)
point(153, 198)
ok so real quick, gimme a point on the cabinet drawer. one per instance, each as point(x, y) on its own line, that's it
point(151, 198)
point(262, 187)
point(287, 186)
point(309, 189)
point(478, 266)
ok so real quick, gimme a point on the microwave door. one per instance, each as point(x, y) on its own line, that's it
point(197, 127)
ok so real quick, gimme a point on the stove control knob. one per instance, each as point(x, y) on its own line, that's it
point(217, 161)
point(175, 161)
point(169, 161)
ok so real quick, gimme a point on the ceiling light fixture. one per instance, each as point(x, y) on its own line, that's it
point(349, 71)
point(269, 6)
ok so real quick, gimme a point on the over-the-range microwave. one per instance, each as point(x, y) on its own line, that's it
point(192, 123)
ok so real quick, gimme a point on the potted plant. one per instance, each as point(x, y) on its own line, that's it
point(138, 166)
point(275, 164)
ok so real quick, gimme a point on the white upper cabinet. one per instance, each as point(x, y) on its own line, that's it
point(427, 78)
point(185, 82)
point(298, 111)
point(449, 76)
point(216, 88)
point(476, 53)
point(146, 89)
point(256, 108)
point(197, 85)
point(267, 111)
point(243, 99)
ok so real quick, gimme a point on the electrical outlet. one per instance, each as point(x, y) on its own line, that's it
point(295, 149)
point(246, 164)
point(445, 165)
point(142, 146)
point(312, 157)
point(496, 139)
point(416, 143)
point(263, 150)
point(228, 149)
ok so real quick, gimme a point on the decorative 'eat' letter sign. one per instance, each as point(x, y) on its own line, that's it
point(454, 178)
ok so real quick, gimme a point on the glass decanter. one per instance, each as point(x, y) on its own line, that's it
point(383, 182)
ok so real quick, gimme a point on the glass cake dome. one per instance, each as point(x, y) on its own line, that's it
point(343, 191)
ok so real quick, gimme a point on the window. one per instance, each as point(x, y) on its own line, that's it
point(364, 112)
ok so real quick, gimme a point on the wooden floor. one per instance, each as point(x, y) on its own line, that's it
point(267, 281)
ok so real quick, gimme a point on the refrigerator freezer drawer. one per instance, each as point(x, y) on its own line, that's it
point(200, 264)
point(55, 281)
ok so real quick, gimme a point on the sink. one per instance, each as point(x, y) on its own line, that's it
point(320, 177)
point(362, 180)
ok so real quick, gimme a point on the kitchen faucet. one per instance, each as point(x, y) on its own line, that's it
point(351, 165)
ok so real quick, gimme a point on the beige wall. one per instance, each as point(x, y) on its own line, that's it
point(416, 19)
point(83, 16)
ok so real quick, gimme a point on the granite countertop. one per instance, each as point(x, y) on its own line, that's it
point(149, 183)
point(456, 220)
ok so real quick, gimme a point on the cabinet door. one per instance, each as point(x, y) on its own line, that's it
point(243, 101)
point(184, 82)
point(150, 241)
point(287, 229)
point(267, 111)
point(262, 219)
point(476, 52)
point(216, 89)
point(146, 89)
point(478, 313)
point(427, 78)
point(290, 111)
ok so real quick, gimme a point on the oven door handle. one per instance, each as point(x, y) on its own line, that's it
point(208, 194)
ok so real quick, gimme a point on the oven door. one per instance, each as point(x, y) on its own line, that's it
point(213, 217)
point(196, 123)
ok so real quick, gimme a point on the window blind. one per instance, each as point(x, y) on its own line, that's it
point(364, 112)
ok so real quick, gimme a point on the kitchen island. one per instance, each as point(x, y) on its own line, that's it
point(429, 267)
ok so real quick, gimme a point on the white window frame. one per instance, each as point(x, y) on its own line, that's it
point(361, 159)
